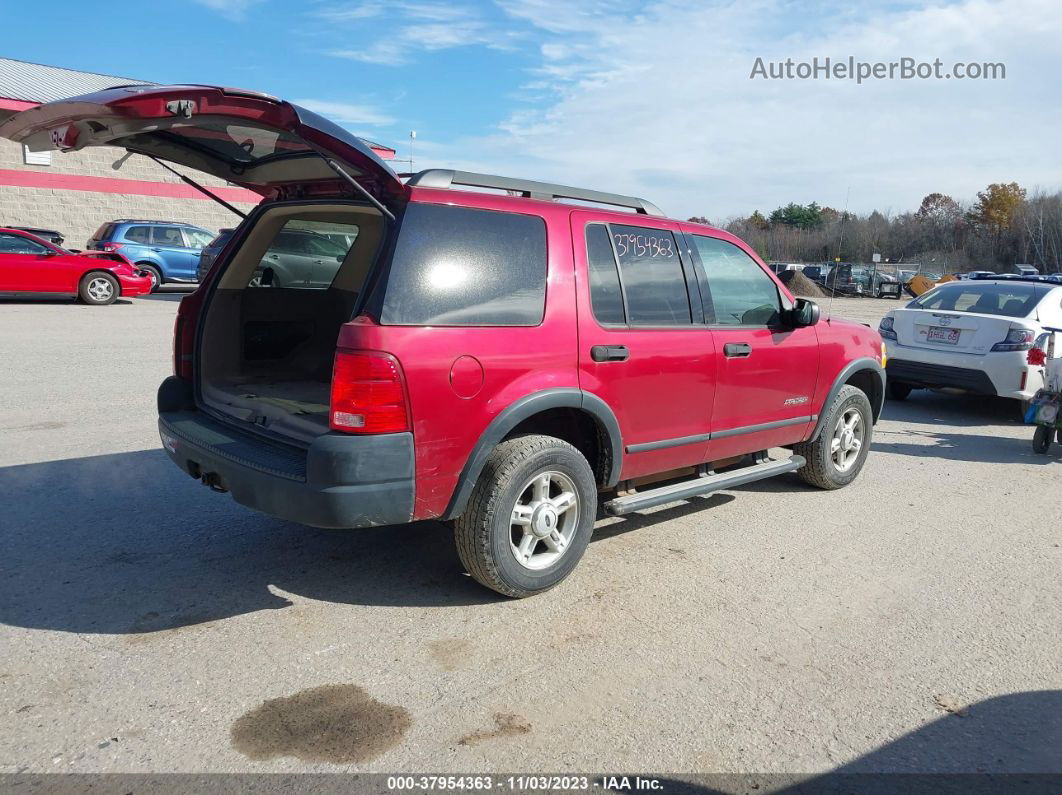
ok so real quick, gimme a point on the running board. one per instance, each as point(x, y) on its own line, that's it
point(702, 484)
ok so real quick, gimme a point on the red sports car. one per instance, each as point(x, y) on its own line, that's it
point(30, 266)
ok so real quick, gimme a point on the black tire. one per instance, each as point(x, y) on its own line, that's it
point(1042, 439)
point(98, 288)
point(898, 390)
point(821, 469)
point(484, 533)
point(154, 273)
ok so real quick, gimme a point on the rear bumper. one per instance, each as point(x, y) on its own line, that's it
point(341, 481)
point(1006, 374)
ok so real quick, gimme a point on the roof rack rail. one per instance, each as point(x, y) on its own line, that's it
point(447, 178)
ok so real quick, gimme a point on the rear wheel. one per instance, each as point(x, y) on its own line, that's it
point(898, 390)
point(98, 289)
point(1042, 439)
point(153, 272)
point(836, 457)
point(530, 516)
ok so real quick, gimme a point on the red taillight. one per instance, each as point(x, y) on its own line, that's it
point(110, 246)
point(183, 340)
point(1037, 357)
point(368, 395)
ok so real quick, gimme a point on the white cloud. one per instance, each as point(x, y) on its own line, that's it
point(656, 100)
point(346, 113)
point(414, 27)
point(233, 10)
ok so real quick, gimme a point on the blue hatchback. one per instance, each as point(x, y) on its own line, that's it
point(166, 251)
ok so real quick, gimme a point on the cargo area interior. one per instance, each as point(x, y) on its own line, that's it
point(271, 324)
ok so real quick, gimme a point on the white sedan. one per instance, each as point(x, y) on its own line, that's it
point(974, 336)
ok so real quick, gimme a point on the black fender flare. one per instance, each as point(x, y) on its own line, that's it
point(526, 407)
point(877, 400)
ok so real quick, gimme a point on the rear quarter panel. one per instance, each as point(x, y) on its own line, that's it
point(515, 361)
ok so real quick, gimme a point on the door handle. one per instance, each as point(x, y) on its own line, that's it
point(609, 353)
point(737, 350)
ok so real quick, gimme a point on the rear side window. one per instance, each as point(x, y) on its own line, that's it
point(651, 273)
point(606, 296)
point(455, 266)
point(168, 236)
point(138, 234)
point(741, 293)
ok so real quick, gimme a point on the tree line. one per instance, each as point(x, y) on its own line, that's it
point(1003, 226)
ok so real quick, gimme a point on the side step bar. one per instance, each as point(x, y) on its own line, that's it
point(702, 484)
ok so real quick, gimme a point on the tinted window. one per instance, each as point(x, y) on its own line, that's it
point(138, 234)
point(197, 238)
point(606, 297)
point(653, 282)
point(168, 236)
point(741, 293)
point(16, 244)
point(1008, 300)
point(453, 266)
point(304, 255)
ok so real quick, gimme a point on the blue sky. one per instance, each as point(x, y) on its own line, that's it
point(648, 98)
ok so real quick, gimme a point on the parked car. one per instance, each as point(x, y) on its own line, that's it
point(33, 267)
point(437, 377)
point(972, 335)
point(166, 251)
point(862, 280)
point(817, 273)
point(49, 235)
point(981, 275)
point(210, 253)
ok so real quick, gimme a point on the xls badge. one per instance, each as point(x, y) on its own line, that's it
point(795, 401)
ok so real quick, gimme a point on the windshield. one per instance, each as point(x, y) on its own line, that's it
point(1006, 300)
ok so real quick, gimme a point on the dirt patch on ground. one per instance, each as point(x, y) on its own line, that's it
point(333, 723)
point(800, 285)
point(506, 724)
point(450, 653)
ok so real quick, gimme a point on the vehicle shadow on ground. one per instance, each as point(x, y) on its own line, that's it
point(965, 447)
point(926, 407)
point(170, 292)
point(126, 543)
point(1000, 744)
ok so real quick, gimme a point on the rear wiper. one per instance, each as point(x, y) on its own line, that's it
point(195, 185)
point(332, 164)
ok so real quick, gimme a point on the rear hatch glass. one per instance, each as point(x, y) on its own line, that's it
point(965, 317)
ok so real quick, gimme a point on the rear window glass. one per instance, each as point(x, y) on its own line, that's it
point(653, 281)
point(1006, 300)
point(304, 255)
point(454, 266)
point(240, 143)
point(138, 234)
point(606, 296)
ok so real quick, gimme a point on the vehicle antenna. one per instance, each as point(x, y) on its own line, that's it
point(840, 242)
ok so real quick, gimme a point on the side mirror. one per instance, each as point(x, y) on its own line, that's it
point(805, 313)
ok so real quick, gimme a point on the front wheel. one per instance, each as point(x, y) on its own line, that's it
point(1042, 439)
point(530, 516)
point(838, 454)
point(98, 289)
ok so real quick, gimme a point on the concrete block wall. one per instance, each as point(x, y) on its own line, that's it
point(77, 214)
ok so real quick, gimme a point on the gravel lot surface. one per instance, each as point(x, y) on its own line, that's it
point(912, 621)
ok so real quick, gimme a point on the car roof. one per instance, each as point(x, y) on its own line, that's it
point(157, 223)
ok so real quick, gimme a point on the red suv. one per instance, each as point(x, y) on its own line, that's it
point(498, 359)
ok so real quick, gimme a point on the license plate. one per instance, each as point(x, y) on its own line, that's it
point(949, 336)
